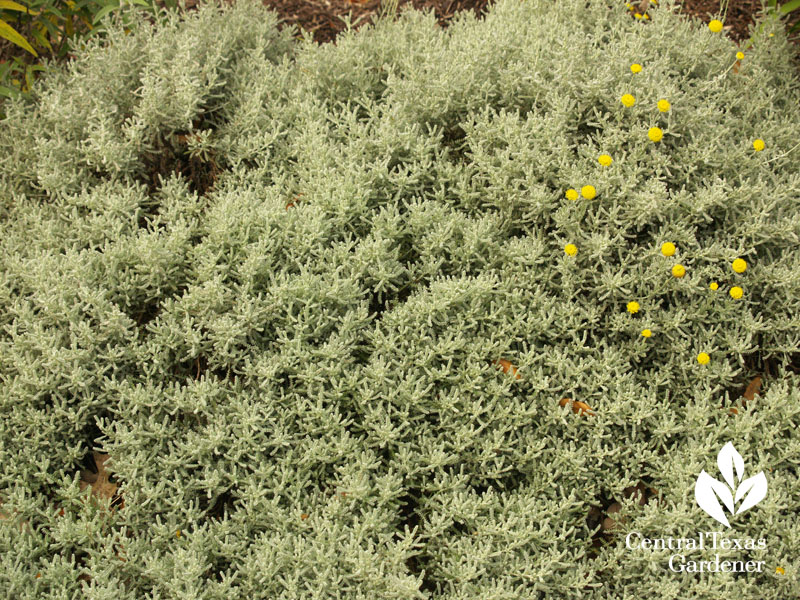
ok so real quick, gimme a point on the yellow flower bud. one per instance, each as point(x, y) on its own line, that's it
point(655, 134)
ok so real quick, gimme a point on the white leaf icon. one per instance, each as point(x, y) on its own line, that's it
point(754, 488)
point(709, 491)
point(727, 459)
point(706, 491)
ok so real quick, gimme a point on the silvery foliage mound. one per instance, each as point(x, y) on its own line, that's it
point(269, 279)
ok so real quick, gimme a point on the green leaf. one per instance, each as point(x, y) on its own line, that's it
point(39, 36)
point(8, 92)
point(9, 33)
point(104, 11)
point(79, 6)
point(790, 6)
point(52, 10)
point(29, 71)
point(9, 5)
point(54, 32)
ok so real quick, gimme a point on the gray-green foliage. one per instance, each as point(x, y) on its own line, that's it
point(246, 363)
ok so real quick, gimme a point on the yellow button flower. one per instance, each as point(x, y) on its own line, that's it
point(715, 25)
point(736, 292)
point(636, 68)
point(633, 307)
point(714, 285)
point(571, 249)
point(739, 265)
point(588, 192)
point(667, 248)
point(628, 100)
point(663, 105)
point(758, 145)
point(638, 15)
point(740, 55)
point(655, 134)
point(703, 358)
point(605, 160)
point(572, 194)
point(646, 333)
point(678, 271)
point(780, 570)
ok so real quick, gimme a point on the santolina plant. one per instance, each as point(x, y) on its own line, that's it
point(421, 314)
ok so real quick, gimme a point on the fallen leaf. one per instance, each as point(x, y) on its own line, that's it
point(292, 202)
point(608, 522)
point(99, 482)
point(638, 492)
point(753, 388)
point(594, 516)
point(577, 406)
point(507, 366)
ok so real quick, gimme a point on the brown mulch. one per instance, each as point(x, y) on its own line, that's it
point(322, 17)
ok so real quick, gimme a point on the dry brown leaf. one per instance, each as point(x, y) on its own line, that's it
point(753, 388)
point(609, 523)
point(594, 513)
point(507, 366)
point(291, 203)
point(577, 406)
point(101, 486)
point(638, 492)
